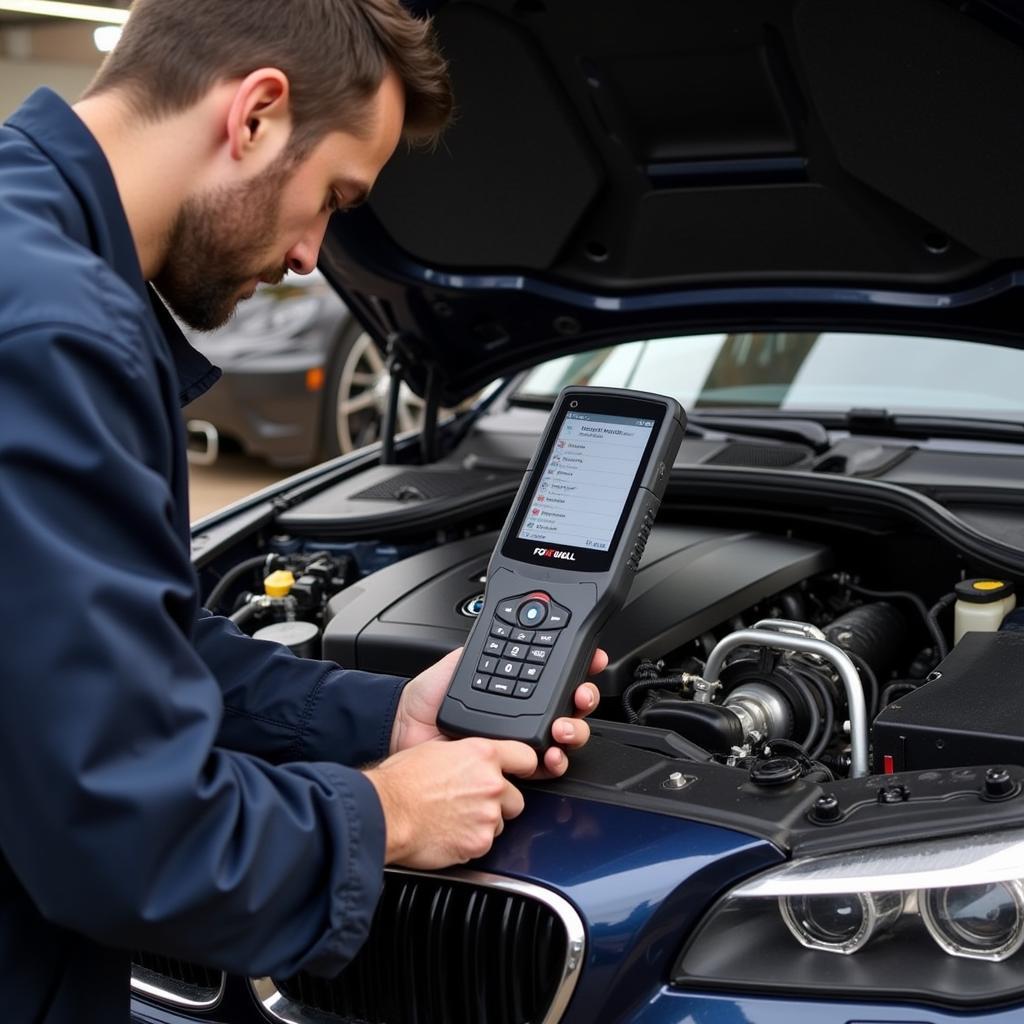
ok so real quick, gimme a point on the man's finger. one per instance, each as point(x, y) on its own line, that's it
point(515, 758)
point(555, 763)
point(587, 697)
point(599, 664)
point(570, 732)
point(512, 802)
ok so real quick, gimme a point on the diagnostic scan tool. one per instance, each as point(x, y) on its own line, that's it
point(564, 562)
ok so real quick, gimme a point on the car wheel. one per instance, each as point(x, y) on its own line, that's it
point(357, 396)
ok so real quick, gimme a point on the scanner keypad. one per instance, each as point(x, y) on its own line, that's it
point(514, 658)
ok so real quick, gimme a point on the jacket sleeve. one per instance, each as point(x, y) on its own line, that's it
point(284, 708)
point(119, 814)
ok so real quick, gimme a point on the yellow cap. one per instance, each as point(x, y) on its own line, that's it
point(983, 591)
point(279, 584)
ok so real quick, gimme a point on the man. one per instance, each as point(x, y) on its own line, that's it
point(171, 784)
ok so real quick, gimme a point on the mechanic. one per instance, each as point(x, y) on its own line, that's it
point(169, 783)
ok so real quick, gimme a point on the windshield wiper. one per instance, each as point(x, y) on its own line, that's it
point(808, 432)
point(882, 423)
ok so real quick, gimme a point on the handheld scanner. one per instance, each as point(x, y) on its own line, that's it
point(564, 562)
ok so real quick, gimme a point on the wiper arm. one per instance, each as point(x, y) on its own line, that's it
point(808, 432)
point(881, 422)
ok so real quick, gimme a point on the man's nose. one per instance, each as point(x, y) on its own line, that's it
point(303, 256)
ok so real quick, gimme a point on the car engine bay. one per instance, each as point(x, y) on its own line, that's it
point(818, 651)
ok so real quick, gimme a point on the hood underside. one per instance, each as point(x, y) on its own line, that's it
point(624, 169)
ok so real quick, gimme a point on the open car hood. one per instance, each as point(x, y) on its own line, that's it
point(625, 169)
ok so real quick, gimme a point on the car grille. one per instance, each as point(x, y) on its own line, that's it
point(175, 981)
point(459, 948)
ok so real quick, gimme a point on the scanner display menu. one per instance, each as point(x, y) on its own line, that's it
point(587, 479)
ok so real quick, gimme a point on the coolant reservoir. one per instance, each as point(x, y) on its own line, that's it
point(981, 606)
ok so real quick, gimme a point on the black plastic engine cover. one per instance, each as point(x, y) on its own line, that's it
point(691, 579)
point(973, 713)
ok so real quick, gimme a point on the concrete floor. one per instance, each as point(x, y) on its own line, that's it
point(232, 477)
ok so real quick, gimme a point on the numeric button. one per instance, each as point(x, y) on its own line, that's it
point(508, 669)
point(530, 673)
point(524, 690)
point(517, 652)
point(538, 655)
point(545, 639)
point(481, 682)
point(500, 630)
point(494, 647)
point(502, 686)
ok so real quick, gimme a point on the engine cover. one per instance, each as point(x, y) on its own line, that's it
point(691, 579)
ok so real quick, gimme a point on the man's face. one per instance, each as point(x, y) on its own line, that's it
point(228, 240)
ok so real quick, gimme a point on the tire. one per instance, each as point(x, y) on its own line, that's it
point(357, 395)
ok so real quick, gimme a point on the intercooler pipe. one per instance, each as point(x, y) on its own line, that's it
point(802, 638)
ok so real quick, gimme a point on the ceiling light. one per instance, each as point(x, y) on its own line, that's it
point(60, 9)
point(106, 37)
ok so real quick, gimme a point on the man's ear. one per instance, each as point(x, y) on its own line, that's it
point(259, 119)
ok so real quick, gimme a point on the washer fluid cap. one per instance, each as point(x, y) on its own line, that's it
point(983, 591)
point(776, 771)
point(279, 584)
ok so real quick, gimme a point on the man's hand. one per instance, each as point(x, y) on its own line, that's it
point(445, 801)
point(416, 717)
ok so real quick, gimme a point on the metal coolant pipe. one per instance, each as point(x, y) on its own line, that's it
point(804, 644)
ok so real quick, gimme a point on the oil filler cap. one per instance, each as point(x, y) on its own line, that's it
point(776, 771)
point(279, 584)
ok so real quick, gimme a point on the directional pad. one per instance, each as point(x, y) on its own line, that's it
point(533, 613)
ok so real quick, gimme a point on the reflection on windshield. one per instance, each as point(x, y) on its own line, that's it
point(827, 371)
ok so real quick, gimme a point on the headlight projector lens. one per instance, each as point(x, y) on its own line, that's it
point(840, 923)
point(982, 922)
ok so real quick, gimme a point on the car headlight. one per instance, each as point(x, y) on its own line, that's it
point(842, 923)
point(941, 921)
point(985, 922)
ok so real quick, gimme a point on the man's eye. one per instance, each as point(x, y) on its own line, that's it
point(334, 202)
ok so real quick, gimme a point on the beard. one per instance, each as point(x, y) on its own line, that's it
point(211, 244)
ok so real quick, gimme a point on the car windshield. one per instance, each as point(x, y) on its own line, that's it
point(804, 372)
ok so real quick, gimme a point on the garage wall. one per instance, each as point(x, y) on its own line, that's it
point(19, 78)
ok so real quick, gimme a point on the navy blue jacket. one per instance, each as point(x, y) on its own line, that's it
point(167, 783)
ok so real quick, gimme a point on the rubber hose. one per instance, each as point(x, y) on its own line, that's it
point(905, 595)
point(246, 612)
point(812, 709)
point(936, 610)
point(232, 576)
point(889, 694)
point(828, 721)
point(642, 686)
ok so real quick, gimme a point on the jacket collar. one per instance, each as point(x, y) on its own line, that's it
point(59, 133)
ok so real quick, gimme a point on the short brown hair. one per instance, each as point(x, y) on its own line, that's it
point(334, 52)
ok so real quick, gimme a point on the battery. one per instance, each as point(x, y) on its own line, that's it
point(970, 713)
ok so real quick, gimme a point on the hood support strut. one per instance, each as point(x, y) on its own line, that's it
point(397, 356)
point(389, 427)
